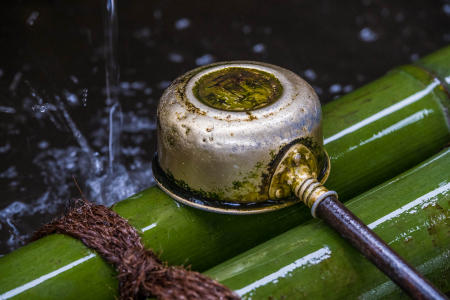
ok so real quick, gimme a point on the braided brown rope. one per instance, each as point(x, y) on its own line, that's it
point(141, 274)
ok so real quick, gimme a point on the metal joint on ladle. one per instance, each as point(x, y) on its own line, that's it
point(246, 137)
point(297, 173)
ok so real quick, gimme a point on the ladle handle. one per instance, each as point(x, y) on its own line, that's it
point(377, 251)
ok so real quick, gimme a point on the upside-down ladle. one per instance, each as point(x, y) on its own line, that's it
point(246, 137)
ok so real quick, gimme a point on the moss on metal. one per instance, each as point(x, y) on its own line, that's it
point(200, 193)
point(247, 184)
point(238, 89)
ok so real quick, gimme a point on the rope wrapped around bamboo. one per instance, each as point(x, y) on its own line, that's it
point(140, 272)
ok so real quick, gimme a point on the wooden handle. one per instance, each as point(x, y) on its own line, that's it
point(377, 251)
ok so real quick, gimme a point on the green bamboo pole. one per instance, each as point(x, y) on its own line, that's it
point(312, 261)
point(366, 135)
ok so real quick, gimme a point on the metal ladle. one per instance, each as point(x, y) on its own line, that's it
point(246, 137)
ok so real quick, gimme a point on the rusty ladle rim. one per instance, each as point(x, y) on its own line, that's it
point(297, 102)
point(223, 207)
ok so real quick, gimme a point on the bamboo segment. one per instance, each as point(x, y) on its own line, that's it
point(312, 261)
point(372, 134)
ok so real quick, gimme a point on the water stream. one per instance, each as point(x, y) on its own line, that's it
point(117, 181)
point(112, 78)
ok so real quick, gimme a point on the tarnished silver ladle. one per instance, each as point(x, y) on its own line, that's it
point(245, 137)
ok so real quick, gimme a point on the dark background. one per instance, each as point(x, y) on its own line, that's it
point(52, 79)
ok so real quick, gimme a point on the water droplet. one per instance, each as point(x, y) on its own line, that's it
point(368, 35)
point(125, 85)
point(348, 88)
point(15, 82)
point(9, 173)
point(32, 18)
point(310, 74)
point(84, 96)
point(335, 88)
point(163, 84)
point(204, 59)
point(74, 79)
point(14, 183)
point(43, 144)
point(148, 91)
point(182, 23)
point(318, 90)
point(5, 148)
point(138, 85)
point(446, 9)
point(7, 110)
point(175, 57)
point(131, 151)
point(259, 48)
point(71, 98)
point(39, 108)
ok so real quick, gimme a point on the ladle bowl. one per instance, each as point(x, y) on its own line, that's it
point(222, 130)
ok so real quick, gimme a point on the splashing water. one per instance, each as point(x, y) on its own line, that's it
point(117, 182)
point(95, 161)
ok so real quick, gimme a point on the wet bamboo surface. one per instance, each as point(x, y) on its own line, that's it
point(312, 261)
point(371, 134)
